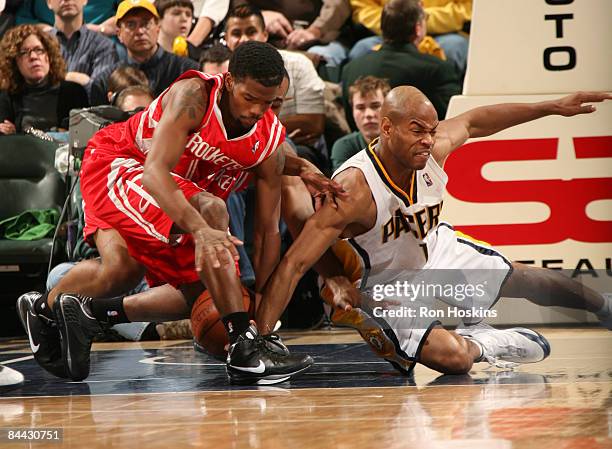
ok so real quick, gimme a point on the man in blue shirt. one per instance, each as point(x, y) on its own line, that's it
point(86, 52)
point(138, 24)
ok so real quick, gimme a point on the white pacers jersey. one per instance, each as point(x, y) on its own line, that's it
point(408, 243)
point(405, 216)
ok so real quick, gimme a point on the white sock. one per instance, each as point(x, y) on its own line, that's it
point(477, 343)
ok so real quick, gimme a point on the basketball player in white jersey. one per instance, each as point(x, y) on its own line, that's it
point(390, 218)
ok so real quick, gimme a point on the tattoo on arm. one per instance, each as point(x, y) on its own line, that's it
point(189, 102)
point(280, 160)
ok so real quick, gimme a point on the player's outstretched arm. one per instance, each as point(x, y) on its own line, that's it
point(319, 186)
point(296, 209)
point(266, 239)
point(184, 106)
point(487, 120)
point(319, 233)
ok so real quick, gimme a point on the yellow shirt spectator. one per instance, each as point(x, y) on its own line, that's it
point(443, 16)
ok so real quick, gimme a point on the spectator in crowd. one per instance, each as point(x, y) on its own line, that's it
point(215, 59)
point(122, 77)
point(175, 23)
point(446, 21)
point(134, 97)
point(7, 15)
point(312, 25)
point(366, 96)
point(85, 52)
point(303, 112)
point(399, 61)
point(211, 14)
point(138, 23)
point(33, 90)
point(99, 15)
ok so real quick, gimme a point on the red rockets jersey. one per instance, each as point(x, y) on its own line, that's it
point(211, 160)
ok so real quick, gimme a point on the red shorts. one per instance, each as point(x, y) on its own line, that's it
point(113, 197)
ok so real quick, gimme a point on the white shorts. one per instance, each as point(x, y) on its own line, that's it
point(465, 274)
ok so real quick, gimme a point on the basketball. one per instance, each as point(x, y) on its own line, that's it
point(208, 330)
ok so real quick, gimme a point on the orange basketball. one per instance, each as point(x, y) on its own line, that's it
point(208, 329)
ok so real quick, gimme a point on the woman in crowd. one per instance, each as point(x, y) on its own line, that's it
point(33, 92)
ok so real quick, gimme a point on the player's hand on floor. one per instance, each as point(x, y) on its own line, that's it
point(215, 248)
point(574, 104)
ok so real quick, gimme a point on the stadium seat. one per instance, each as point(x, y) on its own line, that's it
point(28, 180)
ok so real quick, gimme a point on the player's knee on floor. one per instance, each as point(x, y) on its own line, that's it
point(446, 354)
point(457, 363)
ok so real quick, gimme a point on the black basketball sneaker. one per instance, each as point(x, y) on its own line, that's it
point(275, 343)
point(43, 335)
point(77, 327)
point(250, 360)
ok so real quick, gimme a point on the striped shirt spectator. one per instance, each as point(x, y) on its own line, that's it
point(86, 52)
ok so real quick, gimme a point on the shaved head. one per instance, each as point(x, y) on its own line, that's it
point(408, 123)
point(404, 102)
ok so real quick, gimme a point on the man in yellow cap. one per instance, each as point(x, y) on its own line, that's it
point(138, 24)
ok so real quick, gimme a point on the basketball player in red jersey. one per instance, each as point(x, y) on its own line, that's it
point(153, 190)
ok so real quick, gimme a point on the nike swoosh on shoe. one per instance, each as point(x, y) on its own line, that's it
point(258, 369)
point(33, 346)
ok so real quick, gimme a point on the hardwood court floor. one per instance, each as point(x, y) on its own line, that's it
point(163, 395)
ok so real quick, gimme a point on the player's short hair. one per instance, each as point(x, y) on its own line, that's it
point(367, 84)
point(259, 61)
point(244, 12)
point(216, 54)
point(399, 19)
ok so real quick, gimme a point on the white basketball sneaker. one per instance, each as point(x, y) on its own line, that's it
point(8, 376)
point(605, 314)
point(509, 347)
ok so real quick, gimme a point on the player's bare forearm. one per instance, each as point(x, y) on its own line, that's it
point(296, 210)
point(316, 183)
point(184, 108)
point(267, 215)
point(321, 230)
point(294, 165)
point(487, 120)
point(266, 254)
